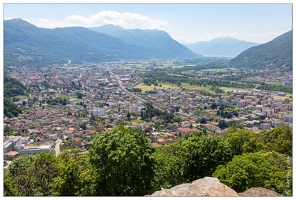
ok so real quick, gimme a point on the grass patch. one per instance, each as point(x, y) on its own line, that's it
point(21, 96)
point(64, 147)
point(171, 86)
point(188, 86)
point(283, 97)
point(63, 96)
point(275, 83)
point(137, 121)
point(226, 89)
point(144, 87)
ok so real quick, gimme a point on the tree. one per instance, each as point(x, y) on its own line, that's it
point(279, 139)
point(218, 112)
point(124, 161)
point(92, 117)
point(79, 96)
point(18, 171)
point(45, 169)
point(222, 124)
point(203, 120)
point(238, 140)
point(10, 186)
point(33, 174)
point(191, 157)
point(213, 106)
point(128, 115)
point(77, 177)
point(260, 169)
point(83, 126)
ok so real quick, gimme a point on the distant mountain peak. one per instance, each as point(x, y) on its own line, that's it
point(221, 47)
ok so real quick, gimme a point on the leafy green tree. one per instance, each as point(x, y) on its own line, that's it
point(77, 177)
point(83, 125)
point(203, 120)
point(19, 172)
point(33, 174)
point(192, 157)
point(10, 186)
point(260, 169)
point(45, 169)
point(128, 115)
point(240, 140)
point(123, 159)
point(169, 167)
point(278, 139)
point(79, 96)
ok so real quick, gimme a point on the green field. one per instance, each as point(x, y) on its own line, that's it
point(21, 97)
point(226, 89)
point(188, 86)
point(137, 121)
point(62, 96)
point(163, 85)
point(172, 86)
point(283, 97)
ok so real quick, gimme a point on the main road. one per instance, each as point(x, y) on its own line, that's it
point(121, 86)
point(140, 98)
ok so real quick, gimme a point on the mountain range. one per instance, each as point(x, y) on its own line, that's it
point(158, 41)
point(26, 44)
point(221, 47)
point(273, 54)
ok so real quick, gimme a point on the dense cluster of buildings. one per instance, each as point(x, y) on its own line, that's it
point(104, 105)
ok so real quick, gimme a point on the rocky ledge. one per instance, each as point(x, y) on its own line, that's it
point(209, 186)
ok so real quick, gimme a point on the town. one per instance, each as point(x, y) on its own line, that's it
point(68, 105)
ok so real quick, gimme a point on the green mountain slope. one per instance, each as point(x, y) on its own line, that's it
point(12, 87)
point(156, 41)
point(273, 54)
point(28, 45)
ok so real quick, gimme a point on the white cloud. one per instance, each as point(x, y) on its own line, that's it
point(125, 20)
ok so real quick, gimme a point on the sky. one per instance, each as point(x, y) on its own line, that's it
point(185, 22)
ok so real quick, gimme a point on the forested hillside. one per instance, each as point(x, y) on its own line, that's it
point(12, 88)
point(123, 163)
point(273, 54)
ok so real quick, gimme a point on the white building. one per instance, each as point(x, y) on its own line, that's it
point(276, 123)
point(265, 126)
point(97, 112)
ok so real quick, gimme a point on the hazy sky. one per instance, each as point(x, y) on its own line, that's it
point(184, 22)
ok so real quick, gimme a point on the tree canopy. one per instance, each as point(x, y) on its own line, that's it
point(260, 169)
point(123, 159)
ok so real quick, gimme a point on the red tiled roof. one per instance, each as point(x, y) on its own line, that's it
point(76, 139)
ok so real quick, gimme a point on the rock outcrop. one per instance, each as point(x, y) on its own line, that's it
point(259, 192)
point(207, 186)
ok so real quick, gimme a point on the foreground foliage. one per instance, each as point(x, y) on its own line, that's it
point(260, 169)
point(123, 163)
